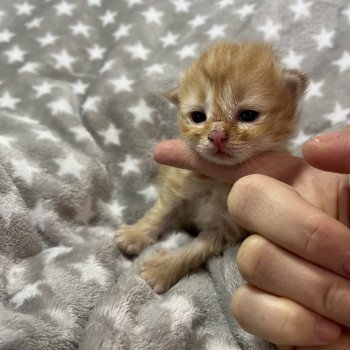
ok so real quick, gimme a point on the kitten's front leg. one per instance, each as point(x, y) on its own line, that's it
point(131, 239)
point(164, 269)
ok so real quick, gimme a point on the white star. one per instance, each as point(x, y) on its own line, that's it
point(216, 31)
point(35, 23)
point(199, 20)
point(60, 106)
point(63, 59)
point(150, 193)
point(111, 135)
point(7, 101)
point(142, 112)
point(134, 2)
point(94, 3)
point(30, 67)
point(46, 135)
point(92, 271)
point(116, 209)
point(293, 60)
point(38, 215)
point(108, 65)
point(343, 62)
point(64, 8)
point(96, 52)
point(69, 166)
point(22, 169)
point(90, 104)
point(26, 119)
point(314, 89)
point(6, 36)
point(108, 18)
point(301, 9)
point(29, 291)
point(48, 39)
point(324, 39)
point(181, 5)
point(225, 3)
point(81, 28)
point(138, 51)
point(9, 207)
point(16, 54)
point(154, 69)
point(187, 51)
point(130, 165)
point(300, 138)
point(122, 31)
point(79, 87)
point(24, 9)
point(246, 10)
point(169, 39)
point(270, 29)
point(152, 15)
point(43, 89)
point(80, 133)
point(123, 83)
point(338, 115)
point(5, 140)
point(347, 13)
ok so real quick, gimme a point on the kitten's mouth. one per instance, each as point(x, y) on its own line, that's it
point(221, 154)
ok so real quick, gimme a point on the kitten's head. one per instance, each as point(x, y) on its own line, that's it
point(236, 101)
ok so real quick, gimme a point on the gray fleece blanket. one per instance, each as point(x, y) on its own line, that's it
point(80, 112)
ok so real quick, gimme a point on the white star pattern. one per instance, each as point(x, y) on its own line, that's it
point(169, 39)
point(8, 101)
point(30, 67)
point(63, 60)
point(293, 60)
point(6, 36)
point(90, 105)
point(96, 52)
point(150, 193)
point(138, 51)
point(246, 10)
point(187, 51)
point(155, 69)
point(216, 31)
point(64, 9)
point(111, 135)
point(181, 5)
point(301, 9)
point(79, 87)
point(152, 15)
point(46, 135)
point(346, 13)
point(270, 29)
point(60, 106)
point(108, 18)
point(344, 62)
point(301, 138)
point(48, 39)
point(122, 31)
point(115, 209)
point(198, 21)
point(23, 170)
point(43, 89)
point(131, 3)
point(123, 83)
point(35, 23)
point(338, 115)
point(81, 29)
point(225, 3)
point(69, 166)
point(24, 9)
point(142, 112)
point(130, 165)
point(314, 89)
point(16, 54)
point(324, 39)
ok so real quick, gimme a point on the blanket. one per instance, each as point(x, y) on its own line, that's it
point(80, 112)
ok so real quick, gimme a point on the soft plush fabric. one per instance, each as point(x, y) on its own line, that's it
point(80, 112)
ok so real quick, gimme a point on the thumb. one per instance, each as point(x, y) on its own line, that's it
point(329, 152)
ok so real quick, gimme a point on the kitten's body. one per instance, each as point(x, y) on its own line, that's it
point(223, 86)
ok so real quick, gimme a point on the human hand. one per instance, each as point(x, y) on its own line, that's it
point(296, 267)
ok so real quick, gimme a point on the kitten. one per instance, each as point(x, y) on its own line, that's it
point(235, 101)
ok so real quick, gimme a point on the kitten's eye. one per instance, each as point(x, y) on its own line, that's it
point(248, 116)
point(198, 117)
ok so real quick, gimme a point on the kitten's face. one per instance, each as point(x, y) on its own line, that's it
point(235, 102)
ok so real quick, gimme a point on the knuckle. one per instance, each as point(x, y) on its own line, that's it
point(318, 228)
point(288, 328)
point(240, 199)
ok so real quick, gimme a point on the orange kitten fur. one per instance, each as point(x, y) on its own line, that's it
point(234, 101)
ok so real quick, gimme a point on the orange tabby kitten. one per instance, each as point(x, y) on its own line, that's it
point(234, 101)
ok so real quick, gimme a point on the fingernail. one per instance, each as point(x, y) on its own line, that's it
point(328, 138)
point(326, 330)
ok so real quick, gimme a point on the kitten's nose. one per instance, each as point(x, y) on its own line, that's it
point(217, 137)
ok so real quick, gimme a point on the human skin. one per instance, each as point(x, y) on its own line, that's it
point(298, 266)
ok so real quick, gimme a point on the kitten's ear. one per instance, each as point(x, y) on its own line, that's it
point(172, 95)
point(296, 81)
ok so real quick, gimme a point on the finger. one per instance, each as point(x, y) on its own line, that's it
point(259, 204)
point(330, 152)
point(276, 271)
point(279, 320)
point(343, 343)
point(176, 153)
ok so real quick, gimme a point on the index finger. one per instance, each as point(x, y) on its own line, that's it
point(176, 153)
point(282, 216)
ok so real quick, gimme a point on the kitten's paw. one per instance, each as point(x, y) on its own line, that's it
point(131, 240)
point(159, 271)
